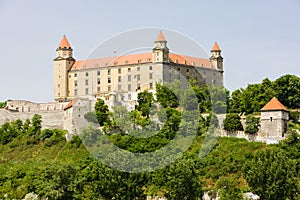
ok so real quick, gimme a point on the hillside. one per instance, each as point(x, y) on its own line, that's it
point(41, 161)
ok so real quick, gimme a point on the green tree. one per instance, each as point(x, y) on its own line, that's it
point(36, 126)
point(165, 96)
point(235, 102)
point(232, 122)
point(145, 101)
point(287, 90)
point(97, 181)
point(252, 124)
point(228, 188)
point(102, 112)
point(272, 175)
point(179, 181)
point(91, 117)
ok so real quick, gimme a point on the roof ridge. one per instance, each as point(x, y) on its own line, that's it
point(274, 104)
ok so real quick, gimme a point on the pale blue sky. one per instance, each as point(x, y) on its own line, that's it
point(258, 38)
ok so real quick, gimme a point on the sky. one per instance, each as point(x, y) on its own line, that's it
point(258, 39)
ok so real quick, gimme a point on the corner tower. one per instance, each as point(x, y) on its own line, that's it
point(216, 59)
point(160, 52)
point(62, 65)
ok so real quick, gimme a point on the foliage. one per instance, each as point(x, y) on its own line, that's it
point(3, 104)
point(227, 188)
point(255, 96)
point(179, 181)
point(165, 96)
point(252, 124)
point(102, 112)
point(91, 117)
point(95, 180)
point(272, 175)
point(287, 90)
point(145, 101)
point(219, 98)
point(232, 122)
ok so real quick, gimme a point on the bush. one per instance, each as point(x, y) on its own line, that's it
point(252, 124)
point(232, 122)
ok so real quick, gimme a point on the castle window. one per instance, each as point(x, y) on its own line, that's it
point(138, 77)
point(98, 89)
point(129, 77)
point(150, 76)
point(187, 70)
point(271, 118)
point(109, 88)
point(75, 92)
point(119, 87)
point(75, 75)
point(138, 69)
point(86, 74)
point(58, 85)
point(109, 80)
point(151, 85)
point(59, 94)
point(129, 69)
point(129, 96)
point(98, 72)
point(69, 76)
point(119, 79)
point(98, 80)
point(108, 71)
point(75, 83)
point(178, 69)
point(139, 60)
point(150, 67)
point(138, 86)
point(176, 61)
point(115, 63)
point(193, 63)
point(119, 70)
point(129, 87)
point(86, 91)
point(86, 82)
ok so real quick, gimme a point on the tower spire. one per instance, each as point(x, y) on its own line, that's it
point(216, 47)
point(160, 37)
point(64, 43)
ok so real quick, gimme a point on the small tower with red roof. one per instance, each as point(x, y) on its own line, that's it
point(216, 59)
point(274, 119)
point(62, 65)
point(160, 52)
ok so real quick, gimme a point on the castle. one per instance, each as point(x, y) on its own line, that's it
point(78, 85)
point(129, 74)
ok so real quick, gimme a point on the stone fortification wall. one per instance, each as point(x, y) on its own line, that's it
point(53, 119)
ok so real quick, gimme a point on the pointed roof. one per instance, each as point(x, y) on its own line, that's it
point(274, 104)
point(216, 47)
point(160, 37)
point(64, 43)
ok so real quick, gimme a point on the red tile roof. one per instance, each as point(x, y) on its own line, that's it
point(216, 47)
point(69, 105)
point(137, 58)
point(64, 43)
point(160, 37)
point(274, 104)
